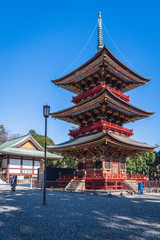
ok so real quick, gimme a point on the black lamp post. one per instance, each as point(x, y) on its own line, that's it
point(46, 111)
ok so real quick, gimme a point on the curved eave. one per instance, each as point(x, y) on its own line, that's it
point(102, 138)
point(114, 58)
point(148, 113)
point(127, 142)
point(81, 67)
point(29, 154)
point(106, 50)
point(66, 112)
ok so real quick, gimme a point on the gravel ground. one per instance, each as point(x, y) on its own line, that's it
point(77, 216)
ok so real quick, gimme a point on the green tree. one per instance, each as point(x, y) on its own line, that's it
point(3, 134)
point(141, 163)
point(66, 162)
point(157, 162)
point(41, 139)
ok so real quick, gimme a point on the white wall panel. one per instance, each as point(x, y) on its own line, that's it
point(14, 170)
point(15, 163)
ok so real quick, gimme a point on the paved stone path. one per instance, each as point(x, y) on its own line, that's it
point(77, 216)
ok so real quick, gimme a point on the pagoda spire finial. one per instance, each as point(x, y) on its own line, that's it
point(100, 33)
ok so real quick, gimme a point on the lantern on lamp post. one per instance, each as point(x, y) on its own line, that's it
point(46, 111)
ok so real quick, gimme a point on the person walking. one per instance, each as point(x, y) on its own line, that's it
point(13, 183)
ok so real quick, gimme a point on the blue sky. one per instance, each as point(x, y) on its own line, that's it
point(40, 39)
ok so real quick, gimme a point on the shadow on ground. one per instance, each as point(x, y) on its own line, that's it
point(77, 216)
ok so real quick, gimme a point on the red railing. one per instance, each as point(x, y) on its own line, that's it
point(94, 176)
point(97, 89)
point(136, 176)
point(64, 177)
point(100, 125)
point(99, 175)
point(115, 176)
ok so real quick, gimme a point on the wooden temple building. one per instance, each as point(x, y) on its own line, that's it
point(21, 157)
point(101, 144)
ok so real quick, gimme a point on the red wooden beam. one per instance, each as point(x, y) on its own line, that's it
point(100, 125)
point(97, 89)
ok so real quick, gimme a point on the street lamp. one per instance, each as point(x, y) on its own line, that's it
point(46, 111)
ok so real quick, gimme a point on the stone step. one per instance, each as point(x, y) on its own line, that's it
point(3, 178)
point(131, 185)
point(75, 185)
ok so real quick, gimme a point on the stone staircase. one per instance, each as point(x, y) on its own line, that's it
point(75, 186)
point(130, 185)
point(3, 178)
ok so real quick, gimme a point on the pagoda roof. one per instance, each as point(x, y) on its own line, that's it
point(102, 138)
point(112, 101)
point(15, 147)
point(114, 65)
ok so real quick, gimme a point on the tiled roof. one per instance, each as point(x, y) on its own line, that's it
point(11, 147)
point(104, 95)
point(33, 153)
point(109, 137)
point(12, 142)
point(105, 49)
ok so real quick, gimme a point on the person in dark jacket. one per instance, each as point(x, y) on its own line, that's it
point(13, 183)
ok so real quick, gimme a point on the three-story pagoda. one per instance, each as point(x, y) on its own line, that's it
point(101, 144)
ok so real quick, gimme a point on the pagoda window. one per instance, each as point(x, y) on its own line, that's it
point(80, 165)
point(98, 165)
point(107, 165)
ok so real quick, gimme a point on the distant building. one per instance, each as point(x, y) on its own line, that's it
point(22, 157)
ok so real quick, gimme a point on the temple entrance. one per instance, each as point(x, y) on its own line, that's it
point(115, 168)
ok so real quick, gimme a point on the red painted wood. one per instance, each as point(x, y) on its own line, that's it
point(100, 125)
point(97, 89)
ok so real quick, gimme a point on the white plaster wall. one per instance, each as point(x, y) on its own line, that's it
point(15, 163)
point(14, 170)
point(27, 164)
point(4, 163)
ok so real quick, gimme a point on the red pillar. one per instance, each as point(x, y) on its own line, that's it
point(105, 185)
point(116, 185)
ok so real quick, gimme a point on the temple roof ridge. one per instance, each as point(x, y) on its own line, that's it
point(104, 50)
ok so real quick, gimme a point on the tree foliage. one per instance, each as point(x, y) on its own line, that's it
point(141, 163)
point(41, 139)
point(3, 135)
point(67, 162)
